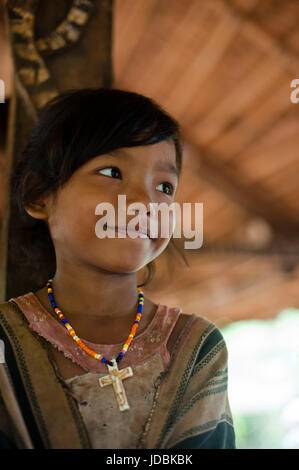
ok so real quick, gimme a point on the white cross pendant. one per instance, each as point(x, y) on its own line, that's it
point(115, 378)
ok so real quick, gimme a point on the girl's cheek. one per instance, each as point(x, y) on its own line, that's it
point(172, 224)
point(167, 225)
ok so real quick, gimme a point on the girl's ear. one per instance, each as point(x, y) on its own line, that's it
point(36, 205)
point(37, 209)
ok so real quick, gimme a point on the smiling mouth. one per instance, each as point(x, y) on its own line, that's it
point(128, 231)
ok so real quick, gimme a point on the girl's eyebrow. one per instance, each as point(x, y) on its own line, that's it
point(161, 165)
point(167, 167)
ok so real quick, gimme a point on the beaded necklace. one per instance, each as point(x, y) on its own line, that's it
point(115, 376)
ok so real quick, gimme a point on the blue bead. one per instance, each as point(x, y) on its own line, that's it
point(64, 320)
point(51, 296)
point(104, 359)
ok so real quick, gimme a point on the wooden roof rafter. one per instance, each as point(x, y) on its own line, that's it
point(264, 38)
point(260, 132)
point(233, 184)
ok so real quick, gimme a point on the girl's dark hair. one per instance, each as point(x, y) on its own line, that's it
point(72, 128)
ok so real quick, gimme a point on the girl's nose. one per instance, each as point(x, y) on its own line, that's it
point(137, 210)
point(141, 204)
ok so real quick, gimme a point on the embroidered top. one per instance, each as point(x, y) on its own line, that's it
point(148, 356)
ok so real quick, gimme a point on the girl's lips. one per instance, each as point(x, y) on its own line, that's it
point(125, 230)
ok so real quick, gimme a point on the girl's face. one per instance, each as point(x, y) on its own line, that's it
point(143, 174)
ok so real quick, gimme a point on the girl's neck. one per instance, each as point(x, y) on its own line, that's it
point(100, 296)
point(101, 310)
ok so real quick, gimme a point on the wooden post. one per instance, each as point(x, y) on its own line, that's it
point(56, 45)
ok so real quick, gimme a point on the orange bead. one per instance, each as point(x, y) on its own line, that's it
point(80, 342)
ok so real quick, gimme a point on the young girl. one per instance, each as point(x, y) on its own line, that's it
point(90, 362)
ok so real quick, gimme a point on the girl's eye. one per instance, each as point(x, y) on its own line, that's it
point(169, 188)
point(111, 171)
point(114, 172)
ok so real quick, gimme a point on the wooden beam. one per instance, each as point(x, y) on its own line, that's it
point(274, 249)
point(288, 58)
point(233, 183)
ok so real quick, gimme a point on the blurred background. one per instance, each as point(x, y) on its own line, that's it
point(223, 69)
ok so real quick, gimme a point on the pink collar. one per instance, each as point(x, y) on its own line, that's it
point(151, 341)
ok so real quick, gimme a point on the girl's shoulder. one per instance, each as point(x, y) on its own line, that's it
point(193, 322)
point(12, 321)
point(9, 308)
point(193, 331)
point(177, 331)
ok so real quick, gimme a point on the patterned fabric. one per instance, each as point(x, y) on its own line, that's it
point(151, 341)
point(185, 407)
point(148, 356)
point(191, 408)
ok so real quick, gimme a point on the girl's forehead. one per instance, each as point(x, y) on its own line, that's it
point(164, 149)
